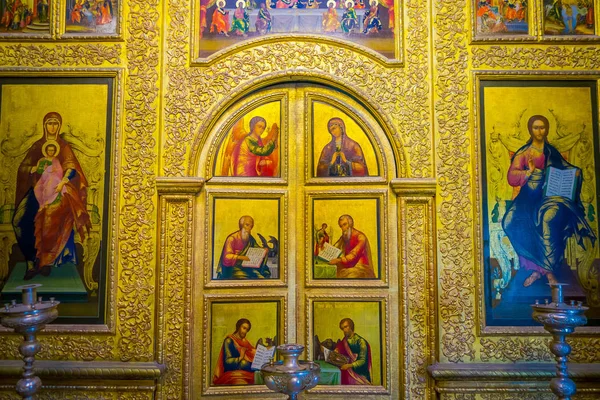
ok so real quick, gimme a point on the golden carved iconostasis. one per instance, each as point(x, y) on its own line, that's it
point(417, 110)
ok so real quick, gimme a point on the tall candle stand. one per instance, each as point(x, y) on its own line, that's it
point(27, 319)
point(560, 319)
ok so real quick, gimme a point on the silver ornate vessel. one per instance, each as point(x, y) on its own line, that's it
point(291, 376)
point(27, 319)
point(560, 319)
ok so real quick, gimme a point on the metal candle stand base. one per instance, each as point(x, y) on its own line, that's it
point(291, 376)
point(560, 319)
point(27, 319)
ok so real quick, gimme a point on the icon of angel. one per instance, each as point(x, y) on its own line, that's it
point(252, 153)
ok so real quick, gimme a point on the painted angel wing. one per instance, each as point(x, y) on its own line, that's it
point(238, 133)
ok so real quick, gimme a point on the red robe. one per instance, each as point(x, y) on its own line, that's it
point(54, 223)
point(237, 377)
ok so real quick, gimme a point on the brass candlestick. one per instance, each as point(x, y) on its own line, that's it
point(560, 319)
point(27, 319)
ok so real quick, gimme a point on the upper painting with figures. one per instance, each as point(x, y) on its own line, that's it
point(92, 17)
point(25, 16)
point(223, 23)
point(251, 147)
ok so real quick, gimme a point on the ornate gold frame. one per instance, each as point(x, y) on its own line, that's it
point(383, 231)
point(386, 348)
point(367, 126)
point(482, 329)
point(114, 187)
point(308, 39)
point(211, 194)
point(207, 388)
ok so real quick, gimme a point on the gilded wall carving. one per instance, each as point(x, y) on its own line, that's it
point(515, 349)
point(418, 282)
point(137, 226)
point(74, 55)
point(455, 230)
point(63, 347)
point(519, 57)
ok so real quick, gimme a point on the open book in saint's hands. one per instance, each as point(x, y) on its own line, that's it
point(329, 252)
point(256, 256)
point(263, 356)
point(561, 182)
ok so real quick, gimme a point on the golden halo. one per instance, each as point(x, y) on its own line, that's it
point(221, 3)
point(237, 3)
point(48, 143)
point(331, 3)
point(351, 3)
point(373, 3)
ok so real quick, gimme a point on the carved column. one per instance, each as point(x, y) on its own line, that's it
point(416, 224)
point(177, 198)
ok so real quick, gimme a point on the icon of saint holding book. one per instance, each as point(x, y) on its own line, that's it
point(242, 257)
point(547, 210)
point(238, 357)
point(351, 254)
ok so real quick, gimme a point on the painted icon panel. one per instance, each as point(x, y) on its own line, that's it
point(223, 23)
point(25, 16)
point(346, 238)
point(55, 156)
point(246, 238)
point(251, 147)
point(569, 17)
point(348, 342)
point(539, 146)
point(92, 17)
point(239, 330)
point(341, 147)
point(498, 18)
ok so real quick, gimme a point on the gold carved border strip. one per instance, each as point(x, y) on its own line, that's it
point(138, 208)
point(63, 55)
point(517, 57)
point(454, 194)
point(418, 278)
point(174, 290)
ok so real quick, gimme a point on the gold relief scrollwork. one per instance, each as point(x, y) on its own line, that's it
point(179, 97)
point(72, 55)
point(417, 296)
point(514, 349)
point(585, 350)
point(513, 57)
point(62, 347)
point(174, 294)
point(413, 103)
point(455, 209)
point(417, 306)
point(215, 88)
point(137, 208)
